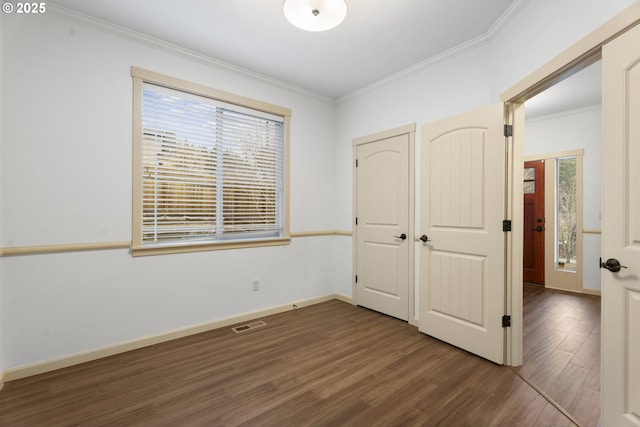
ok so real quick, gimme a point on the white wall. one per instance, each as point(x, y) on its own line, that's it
point(573, 130)
point(66, 178)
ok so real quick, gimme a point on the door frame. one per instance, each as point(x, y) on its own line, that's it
point(554, 278)
point(585, 52)
point(409, 130)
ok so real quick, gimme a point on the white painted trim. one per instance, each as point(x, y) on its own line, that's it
point(581, 54)
point(65, 247)
point(514, 115)
point(390, 133)
point(561, 114)
point(344, 298)
point(296, 234)
point(596, 292)
point(501, 23)
point(103, 246)
point(591, 231)
point(144, 39)
point(553, 156)
point(467, 46)
point(1, 379)
point(99, 353)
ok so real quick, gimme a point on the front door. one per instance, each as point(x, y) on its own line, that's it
point(533, 250)
point(621, 231)
point(462, 262)
point(383, 234)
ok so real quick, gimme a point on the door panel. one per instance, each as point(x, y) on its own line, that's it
point(621, 230)
point(533, 251)
point(382, 263)
point(462, 291)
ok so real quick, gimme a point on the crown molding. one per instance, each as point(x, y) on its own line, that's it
point(505, 19)
point(509, 14)
point(561, 114)
point(73, 16)
point(64, 13)
point(420, 66)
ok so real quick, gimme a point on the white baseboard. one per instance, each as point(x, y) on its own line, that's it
point(87, 356)
point(344, 298)
point(597, 292)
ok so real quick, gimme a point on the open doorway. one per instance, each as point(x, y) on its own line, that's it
point(562, 329)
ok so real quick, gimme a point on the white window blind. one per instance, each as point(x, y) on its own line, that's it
point(211, 170)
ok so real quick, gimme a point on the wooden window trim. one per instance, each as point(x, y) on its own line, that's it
point(141, 76)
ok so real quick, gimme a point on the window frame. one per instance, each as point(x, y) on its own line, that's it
point(141, 76)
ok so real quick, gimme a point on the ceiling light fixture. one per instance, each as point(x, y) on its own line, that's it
point(315, 15)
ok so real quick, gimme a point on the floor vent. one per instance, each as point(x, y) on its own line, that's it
point(252, 325)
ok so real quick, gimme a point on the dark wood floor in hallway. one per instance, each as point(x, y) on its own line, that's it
point(330, 364)
point(562, 349)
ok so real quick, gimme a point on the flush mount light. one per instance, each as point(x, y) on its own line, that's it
point(315, 15)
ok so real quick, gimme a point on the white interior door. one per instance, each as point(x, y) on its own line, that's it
point(621, 231)
point(382, 234)
point(462, 192)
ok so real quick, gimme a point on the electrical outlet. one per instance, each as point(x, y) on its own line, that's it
point(256, 285)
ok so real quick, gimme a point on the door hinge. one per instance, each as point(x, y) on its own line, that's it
point(356, 162)
point(508, 130)
point(356, 220)
point(356, 278)
point(506, 225)
point(506, 321)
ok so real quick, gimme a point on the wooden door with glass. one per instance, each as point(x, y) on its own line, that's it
point(533, 250)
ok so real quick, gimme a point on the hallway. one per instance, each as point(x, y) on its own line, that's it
point(562, 349)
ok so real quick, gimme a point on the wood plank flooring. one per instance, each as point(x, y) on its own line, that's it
point(562, 349)
point(330, 364)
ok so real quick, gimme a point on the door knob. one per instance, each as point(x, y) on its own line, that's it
point(612, 264)
point(401, 237)
point(539, 229)
point(425, 238)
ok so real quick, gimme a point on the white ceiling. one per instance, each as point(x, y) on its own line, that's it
point(377, 39)
point(583, 89)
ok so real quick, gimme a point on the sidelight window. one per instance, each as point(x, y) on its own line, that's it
point(566, 213)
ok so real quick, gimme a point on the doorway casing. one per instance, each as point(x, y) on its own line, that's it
point(577, 57)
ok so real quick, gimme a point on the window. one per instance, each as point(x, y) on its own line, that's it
point(209, 172)
point(529, 186)
point(566, 213)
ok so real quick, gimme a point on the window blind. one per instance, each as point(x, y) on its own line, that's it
point(211, 170)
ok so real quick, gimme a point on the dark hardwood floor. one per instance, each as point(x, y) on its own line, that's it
point(562, 349)
point(330, 364)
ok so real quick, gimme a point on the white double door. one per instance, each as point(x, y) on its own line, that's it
point(462, 193)
point(462, 199)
